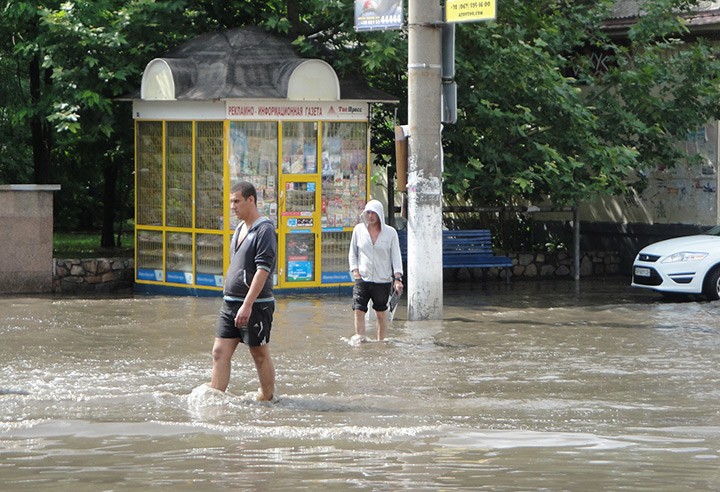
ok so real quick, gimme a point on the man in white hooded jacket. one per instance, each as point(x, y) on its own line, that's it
point(376, 267)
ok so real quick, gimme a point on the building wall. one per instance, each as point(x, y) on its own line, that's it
point(26, 222)
point(679, 200)
point(686, 193)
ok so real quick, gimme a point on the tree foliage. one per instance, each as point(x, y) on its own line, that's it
point(70, 61)
point(539, 121)
point(536, 120)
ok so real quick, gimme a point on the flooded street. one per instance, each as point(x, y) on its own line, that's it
point(528, 386)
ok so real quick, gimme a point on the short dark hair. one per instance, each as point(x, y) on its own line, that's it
point(246, 189)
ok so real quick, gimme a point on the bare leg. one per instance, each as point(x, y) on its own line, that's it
point(359, 322)
point(382, 324)
point(265, 370)
point(222, 352)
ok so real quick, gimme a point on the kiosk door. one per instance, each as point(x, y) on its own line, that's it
point(299, 232)
point(299, 206)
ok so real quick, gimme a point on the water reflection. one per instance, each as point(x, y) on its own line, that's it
point(528, 386)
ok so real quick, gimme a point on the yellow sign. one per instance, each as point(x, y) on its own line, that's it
point(469, 10)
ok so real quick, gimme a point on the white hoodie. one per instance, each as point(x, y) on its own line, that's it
point(379, 261)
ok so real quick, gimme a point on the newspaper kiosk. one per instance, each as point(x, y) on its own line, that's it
point(240, 105)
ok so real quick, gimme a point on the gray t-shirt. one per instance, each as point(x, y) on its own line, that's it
point(257, 251)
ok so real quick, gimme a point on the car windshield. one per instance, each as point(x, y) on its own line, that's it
point(715, 231)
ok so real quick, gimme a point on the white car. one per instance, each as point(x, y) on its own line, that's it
point(683, 265)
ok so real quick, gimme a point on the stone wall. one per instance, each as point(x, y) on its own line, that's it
point(71, 276)
point(527, 266)
point(560, 264)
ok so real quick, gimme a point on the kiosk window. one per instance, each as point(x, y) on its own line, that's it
point(300, 197)
point(300, 257)
point(299, 147)
point(253, 158)
point(344, 181)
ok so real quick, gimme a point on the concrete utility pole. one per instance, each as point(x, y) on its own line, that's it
point(424, 264)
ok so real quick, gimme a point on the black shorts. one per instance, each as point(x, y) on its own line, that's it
point(364, 291)
point(257, 331)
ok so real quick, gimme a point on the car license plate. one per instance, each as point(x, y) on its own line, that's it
point(642, 272)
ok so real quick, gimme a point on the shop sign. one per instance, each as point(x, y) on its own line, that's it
point(336, 277)
point(294, 110)
point(209, 280)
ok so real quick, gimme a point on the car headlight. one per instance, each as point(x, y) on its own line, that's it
point(685, 256)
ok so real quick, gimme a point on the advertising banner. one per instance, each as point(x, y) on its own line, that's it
point(470, 10)
point(378, 14)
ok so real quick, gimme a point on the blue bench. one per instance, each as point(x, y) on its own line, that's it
point(465, 249)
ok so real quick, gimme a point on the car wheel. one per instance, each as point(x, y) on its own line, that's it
point(711, 287)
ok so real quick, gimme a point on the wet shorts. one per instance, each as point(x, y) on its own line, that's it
point(257, 331)
point(364, 291)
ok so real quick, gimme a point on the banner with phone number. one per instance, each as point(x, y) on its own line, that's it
point(378, 14)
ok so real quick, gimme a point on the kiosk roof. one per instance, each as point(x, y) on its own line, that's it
point(241, 63)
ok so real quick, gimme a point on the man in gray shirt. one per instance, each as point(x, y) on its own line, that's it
point(248, 303)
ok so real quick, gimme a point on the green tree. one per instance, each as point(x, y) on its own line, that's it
point(15, 151)
point(538, 121)
point(25, 104)
point(72, 60)
point(95, 52)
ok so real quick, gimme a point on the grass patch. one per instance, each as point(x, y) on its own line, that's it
point(86, 245)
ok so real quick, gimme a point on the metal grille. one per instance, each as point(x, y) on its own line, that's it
point(178, 150)
point(209, 200)
point(299, 147)
point(179, 252)
point(653, 279)
point(300, 197)
point(149, 173)
point(335, 248)
point(209, 254)
point(149, 250)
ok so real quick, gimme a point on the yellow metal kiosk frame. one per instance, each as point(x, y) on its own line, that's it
point(309, 162)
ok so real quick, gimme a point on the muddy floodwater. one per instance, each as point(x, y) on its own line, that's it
point(529, 386)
